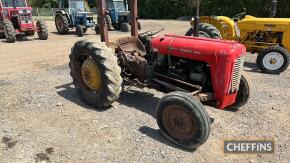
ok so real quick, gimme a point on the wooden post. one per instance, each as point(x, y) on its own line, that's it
point(134, 18)
point(102, 21)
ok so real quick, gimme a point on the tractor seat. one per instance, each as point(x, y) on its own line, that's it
point(131, 45)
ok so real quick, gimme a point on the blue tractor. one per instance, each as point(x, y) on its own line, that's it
point(71, 14)
point(118, 15)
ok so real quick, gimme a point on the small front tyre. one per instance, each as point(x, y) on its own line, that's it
point(244, 93)
point(273, 60)
point(79, 30)
point(125, 27)
point(42, 30)
point(183, 120)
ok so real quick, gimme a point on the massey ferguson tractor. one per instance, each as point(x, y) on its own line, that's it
point(16, 18)
point(196, 71)
point(269, 37)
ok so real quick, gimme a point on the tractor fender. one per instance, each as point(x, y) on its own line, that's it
point(213, 21)
point(228, 26)
point(61, 12)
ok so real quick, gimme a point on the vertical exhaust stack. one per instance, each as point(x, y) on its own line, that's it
point(273, 8)
point(196, 20)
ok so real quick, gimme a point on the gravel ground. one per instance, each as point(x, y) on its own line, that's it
point(43, 119)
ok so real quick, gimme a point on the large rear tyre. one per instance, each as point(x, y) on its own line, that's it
point(244, 93)
point(206, 30)
point(109, 22)
point(95, 73)
point(42, 30)
point(183, 120)
point(62, 24)
point(273, 60)
point(9, 31)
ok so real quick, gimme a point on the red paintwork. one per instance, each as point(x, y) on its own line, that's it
point(24, 27)
point(220, 55)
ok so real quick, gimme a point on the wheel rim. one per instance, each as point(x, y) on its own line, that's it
point(59, 23)
point(179, 123)
point(273, 61)
point(91, 75)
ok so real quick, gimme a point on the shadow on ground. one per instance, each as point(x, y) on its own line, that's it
point(68, 92)
point(140, 100)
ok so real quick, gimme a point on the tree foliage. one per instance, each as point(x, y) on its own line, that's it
point(171, 9)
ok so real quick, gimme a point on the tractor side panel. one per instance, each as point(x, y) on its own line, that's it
point(286, 40)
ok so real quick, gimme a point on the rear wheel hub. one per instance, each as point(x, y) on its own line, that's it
point(91, 75)
point(179, 123)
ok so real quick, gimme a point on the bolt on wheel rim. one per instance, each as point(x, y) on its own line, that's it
point(179, 123)
point(273, 61)
point(91, 75)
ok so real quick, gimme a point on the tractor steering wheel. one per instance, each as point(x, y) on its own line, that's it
point(151, 32)
point(239, 16)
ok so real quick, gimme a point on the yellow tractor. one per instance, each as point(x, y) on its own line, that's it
point(269, 37)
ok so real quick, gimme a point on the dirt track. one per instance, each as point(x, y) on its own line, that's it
point(43, 119)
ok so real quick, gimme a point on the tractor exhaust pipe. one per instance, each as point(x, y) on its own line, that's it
point(196, 20)
point(273, 8)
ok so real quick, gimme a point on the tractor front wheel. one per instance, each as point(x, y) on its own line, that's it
point(273, 60)
point(183, 120)
point(95, 72)
point(206, 30)
point(97, 29)
point(79, 30)
point(244, 93)
point(62, 24)
point(9, 31)
point(42, 30)
point(125, 27)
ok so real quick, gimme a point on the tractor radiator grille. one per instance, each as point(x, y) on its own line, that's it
point(26, 18)
point(237, 72)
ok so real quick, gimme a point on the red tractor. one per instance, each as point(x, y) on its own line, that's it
point(16, 18)
point(195, 70)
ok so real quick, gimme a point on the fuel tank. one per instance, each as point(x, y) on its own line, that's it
point(225, 59)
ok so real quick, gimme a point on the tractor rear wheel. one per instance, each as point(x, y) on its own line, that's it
point(9, 31)
point(183, 120)
point(206, 30)
point(79, 30)
point(42, 30)
point(95, 73)
point(244, 93)
point(62, 24)
point(273, 60)
point(109, 22)
point(125, 27)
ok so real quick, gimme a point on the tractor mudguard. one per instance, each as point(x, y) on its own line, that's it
point(225, 25)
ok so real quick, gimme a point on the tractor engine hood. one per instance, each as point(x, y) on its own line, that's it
point(124, 13)
point(202, 49)
point(88, 14)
